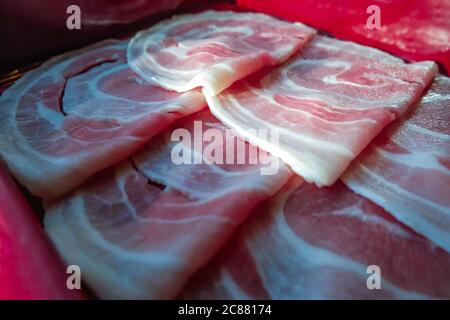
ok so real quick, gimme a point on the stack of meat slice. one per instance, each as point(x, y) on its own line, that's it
point(213, 49)
point(319, 243)
point(327, 104)
point(316, 243)
point(140, 229)
point(142, 188)
point(86, 110)
point(79, 113)
point(406, 170)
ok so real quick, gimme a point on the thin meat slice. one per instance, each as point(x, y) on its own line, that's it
point(140, 229)
point(406, 170)
point(323, 243)
point(213, 49)
point(79, 113)
point(324, 106)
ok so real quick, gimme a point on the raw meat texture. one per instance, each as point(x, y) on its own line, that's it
point(79, 113)
point(415, 30)
point(317, 243)
point(406, 170)
point(213, 49)
point(325, 105)
point(29, 267)
point(140, 229)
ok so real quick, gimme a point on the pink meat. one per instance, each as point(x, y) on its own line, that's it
point(140, 229)
point(213, 49)
point(79, 113)
point(406, 170)
point(326, 104)
point(317, 243)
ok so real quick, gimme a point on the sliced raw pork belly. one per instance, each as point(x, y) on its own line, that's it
point(213, 49)
point(79, 113)
point(317, 243)
point(325, 105)
point(139, 230)
point(406, 170)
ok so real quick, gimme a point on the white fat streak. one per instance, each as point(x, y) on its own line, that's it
point(51, 115)
point(405, 210)
point(231, 286)
point(355, 211)
point(233, 181)
point(268, 95)
point(189, 44)
point(416, 159)
point(103, 99)
point(379, 57)
point(305, 137)
point(428, 132)
point(404, 193)
point(331, 97)
point(121, 176)
point(145, 64)
point(354, 48)
point(287, 86)
point(208, 79)
point(154, 107)
point(306, 164)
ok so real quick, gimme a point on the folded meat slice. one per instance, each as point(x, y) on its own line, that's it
point(323, 243)
point(326, 104)
point(140, 229)
point(406, 170)
point(79, 113)
point(213, 49)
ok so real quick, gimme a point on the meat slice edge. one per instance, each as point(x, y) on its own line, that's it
point(79, 113)
point(318, 243)
point(213, 49)
point(323, 106)
point(140, 229)
point(406, 168)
